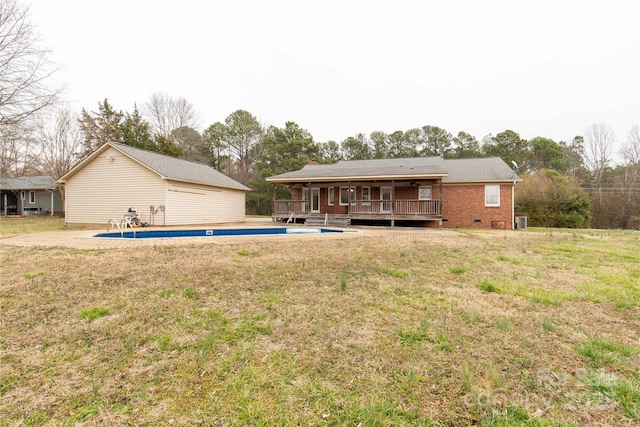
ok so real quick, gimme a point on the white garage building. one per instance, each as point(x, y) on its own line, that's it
point(163, 189)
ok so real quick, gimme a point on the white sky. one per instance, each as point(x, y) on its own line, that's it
point(338, 68)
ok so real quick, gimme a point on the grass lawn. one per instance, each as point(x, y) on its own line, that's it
point(492, 328)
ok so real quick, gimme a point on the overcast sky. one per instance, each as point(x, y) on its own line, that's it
point(338, 68)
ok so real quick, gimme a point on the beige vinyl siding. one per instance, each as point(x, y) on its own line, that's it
point(105, 189)
point(199, 204)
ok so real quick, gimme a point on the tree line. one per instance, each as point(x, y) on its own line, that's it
point(565, 183)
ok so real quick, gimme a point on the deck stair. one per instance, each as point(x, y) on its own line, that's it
point(320, 220)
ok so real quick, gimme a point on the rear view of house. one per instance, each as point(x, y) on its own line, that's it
point(162, 189)
point(428, 191)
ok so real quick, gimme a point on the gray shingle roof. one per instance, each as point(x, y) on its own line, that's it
point(178, 169)
point(451, 170)
point(24, 183)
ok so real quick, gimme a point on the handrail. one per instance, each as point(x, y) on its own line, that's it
point(124, 223)
point(114, 222)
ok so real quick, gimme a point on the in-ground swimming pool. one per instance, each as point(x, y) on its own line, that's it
point(160, 234)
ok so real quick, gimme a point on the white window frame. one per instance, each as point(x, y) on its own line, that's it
point(422, 188)
point(366, 198)
point(386, 204)
point(492, 195)
point(32, 197)
point(314, 201)
point(331, 196)
point(351, 191)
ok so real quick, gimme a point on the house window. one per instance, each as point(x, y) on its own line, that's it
point(331, 196)
point(32, 197)
point(366, 194)
point(22, 195)
point(492, 195)
point(424, 192)
point(346, 194)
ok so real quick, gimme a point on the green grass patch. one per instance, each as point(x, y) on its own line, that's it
point(32, 275)
point(486, 286)
point(189, 293)
point(604, 353)
point(460, 269)
point(626, 394)
point(395, 272)
point(502, 324)
point(471, 315)
point(410, 335)
point(548, 324)
point(94, 313)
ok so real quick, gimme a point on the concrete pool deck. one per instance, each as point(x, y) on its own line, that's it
point(84, 239)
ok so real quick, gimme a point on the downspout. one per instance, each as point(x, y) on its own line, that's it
point(513, 204)
point(440, 202)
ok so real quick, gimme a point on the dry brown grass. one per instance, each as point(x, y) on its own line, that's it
point(389, 329)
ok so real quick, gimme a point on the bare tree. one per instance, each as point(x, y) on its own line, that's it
point(24, 67)
point(630, 152)
point(61, 144)
point(598, 148)
point(18, 150)
point(165, 114)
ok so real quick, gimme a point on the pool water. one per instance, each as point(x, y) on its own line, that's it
point(158, 234)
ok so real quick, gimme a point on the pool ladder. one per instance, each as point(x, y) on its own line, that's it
point(124, 223)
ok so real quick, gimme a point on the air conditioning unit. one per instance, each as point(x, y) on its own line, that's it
point(521, 223)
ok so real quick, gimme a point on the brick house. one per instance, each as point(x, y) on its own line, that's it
point(425, 191)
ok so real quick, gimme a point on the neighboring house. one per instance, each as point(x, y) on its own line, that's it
point(428, 191)
point(164, 190)
point(29, 195)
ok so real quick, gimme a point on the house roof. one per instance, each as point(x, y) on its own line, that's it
point(25, 183)
point(167, 167)
point(491, 169)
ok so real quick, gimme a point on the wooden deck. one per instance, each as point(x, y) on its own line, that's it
point(369, 210)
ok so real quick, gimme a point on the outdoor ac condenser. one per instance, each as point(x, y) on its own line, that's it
point(521, 222)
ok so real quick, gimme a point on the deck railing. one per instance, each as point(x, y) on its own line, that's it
point(290, 206)
point(416, 207)
point(396, 207)
point(373, 207)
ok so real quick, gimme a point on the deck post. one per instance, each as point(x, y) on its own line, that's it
point(440, 202)
point(273, 200)
point(349, 198)
point(393, 199)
